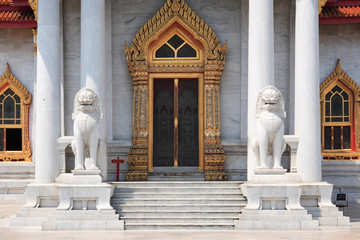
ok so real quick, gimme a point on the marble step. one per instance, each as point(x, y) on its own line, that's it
point(194, 206)
point(191, 184)
point(276, 217)
point(182, 226)
point(179, 205)
point(27, 221)
point(176, 219)
point(83, 225)
point(38, 212)
point(175, 195)
point(13, 199)
point(183, 190)
point(85, 215)
point(277, 225)
point(126, 201)
point(317, 212)
point(13, 186)
point(178, 214)
point(17, 171)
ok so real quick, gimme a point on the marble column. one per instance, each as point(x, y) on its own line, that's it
point(47, 110)
point(307, 90)
point(261, 64)
point(93, 73)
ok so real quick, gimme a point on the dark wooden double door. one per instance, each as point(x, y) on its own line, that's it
point(176, 122)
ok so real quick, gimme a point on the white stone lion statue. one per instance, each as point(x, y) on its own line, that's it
point(270, 113)
point(86, 116)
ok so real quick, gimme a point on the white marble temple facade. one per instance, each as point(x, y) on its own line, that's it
point(229, 20)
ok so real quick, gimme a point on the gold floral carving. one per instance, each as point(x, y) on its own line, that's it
point(336, 77)
point(321, 5)
point(34, 6)
point(8, 80)
point(210, 66)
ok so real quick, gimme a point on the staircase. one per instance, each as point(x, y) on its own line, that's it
point(178, 205)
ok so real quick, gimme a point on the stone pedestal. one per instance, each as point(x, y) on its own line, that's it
point(316, 199)
point(274, 203)
point(84, 204)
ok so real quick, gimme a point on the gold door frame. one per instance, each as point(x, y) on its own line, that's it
point(200, 78)
point(175, 17)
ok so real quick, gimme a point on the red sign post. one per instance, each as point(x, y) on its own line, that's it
point(117, 161)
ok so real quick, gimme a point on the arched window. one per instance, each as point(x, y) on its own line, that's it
point(176, 47)
point(14, 122)
point(337, 125)
point(338, 116)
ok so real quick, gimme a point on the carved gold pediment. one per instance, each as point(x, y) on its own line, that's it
point(9, 79)
point(175, 10)
point(340, 74)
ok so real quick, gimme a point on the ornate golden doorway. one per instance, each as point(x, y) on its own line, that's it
point(176, 44)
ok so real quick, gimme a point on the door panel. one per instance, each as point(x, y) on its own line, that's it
point(176, 101)
point(188, 123)
point(163, 122)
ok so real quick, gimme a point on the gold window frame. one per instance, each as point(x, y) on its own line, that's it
point(340, 78)
point(176, 17)
point(8, 80)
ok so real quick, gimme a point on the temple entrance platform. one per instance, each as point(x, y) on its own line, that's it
point(32, 233)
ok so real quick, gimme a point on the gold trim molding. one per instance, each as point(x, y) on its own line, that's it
point(176, 17)
point(8, 80)
point(34, 6)
point(321, 5)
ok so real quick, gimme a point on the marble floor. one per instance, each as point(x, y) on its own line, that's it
point(34, 233)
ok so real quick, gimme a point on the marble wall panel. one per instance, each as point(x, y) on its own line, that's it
point(339, 41)
point(72, 60)
point(17, 49)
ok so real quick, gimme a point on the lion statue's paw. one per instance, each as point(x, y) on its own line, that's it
point(93, 167)
point(277, 167)
point(80, 168)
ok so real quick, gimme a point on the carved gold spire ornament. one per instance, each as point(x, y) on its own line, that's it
point(34, 7)
point(321, 5)
point(207, 65)
point(35, 40)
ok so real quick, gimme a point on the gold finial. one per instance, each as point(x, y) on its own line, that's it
point(175, 6)
point(7, 70)
point(338, 68)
